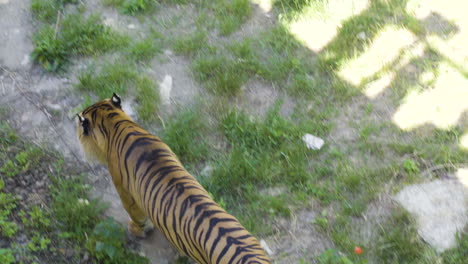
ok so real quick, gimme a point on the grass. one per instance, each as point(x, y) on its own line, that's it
point(231, 14)
point(131, 7)
point(399, 241)
point(263, 154)
point(120, 78)
point(191, 44)
point(184, 128)
point(219, 74)
point(53, 222)
point(144, 50)
point(75, 35)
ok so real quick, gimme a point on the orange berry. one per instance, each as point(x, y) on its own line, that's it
point(358, 250)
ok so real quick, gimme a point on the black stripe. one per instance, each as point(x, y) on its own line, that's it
point(213, 222)
point(221, 233)
point(111, 115)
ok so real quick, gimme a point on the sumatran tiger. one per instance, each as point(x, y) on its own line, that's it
point(154, 186)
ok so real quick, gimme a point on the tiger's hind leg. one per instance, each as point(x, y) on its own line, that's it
point(139, 224)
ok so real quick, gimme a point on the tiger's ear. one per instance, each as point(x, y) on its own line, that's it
point(116, 101)
point(84, 124)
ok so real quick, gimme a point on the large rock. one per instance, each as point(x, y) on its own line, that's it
point(440, 209)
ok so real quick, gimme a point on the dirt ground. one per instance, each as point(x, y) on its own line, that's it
point(43, 107)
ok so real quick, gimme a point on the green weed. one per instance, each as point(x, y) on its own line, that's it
point(74, 213)
point(399, 242)
point(457, 255)
point(6, 256)
point(220, 74)
point(119, 78)
point(77, 35)
point(144, 50)
point(131, 7)
point(147, 98)
point(331, 256)
point(106, 244)
point(181, 133)
point(263, 154)
point(232, 14)
point(45, 10)
point(49, 52)
point(191, 44)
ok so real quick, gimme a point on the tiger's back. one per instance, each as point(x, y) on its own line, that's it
point(154, 185)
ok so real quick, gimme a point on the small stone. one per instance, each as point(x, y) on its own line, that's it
point(274, 191)
point(168, 52)
point(22, 238)
point(55, 107)
point(131, 26)
point(265, 246)
point(165, 88)
point(312, 141)
point(25, 60)
point(207, 171)
point(85, 258)
point(362, 35)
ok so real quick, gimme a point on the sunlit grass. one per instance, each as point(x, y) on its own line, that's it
point(442, 105)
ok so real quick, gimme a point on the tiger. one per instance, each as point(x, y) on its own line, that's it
point(156, 189)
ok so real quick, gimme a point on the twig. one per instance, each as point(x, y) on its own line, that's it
point(162, 121)
point(3, 87)
point(57, 24)
point(44, 111)
point(440, 167)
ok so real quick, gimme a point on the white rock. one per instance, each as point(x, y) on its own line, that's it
point(25, 60)
point(362, 35)
point(439, 208)
point(131, 26)
point(4, 1)
point(109, 22)
point(312, 141)
point(267, 249)
point(165, 88)
point(207, 171)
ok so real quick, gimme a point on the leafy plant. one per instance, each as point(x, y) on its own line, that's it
point(49, 52)
point(331, 256)
point(106, 244)
point(410, 166)
point(7, 204)
point(6, 256)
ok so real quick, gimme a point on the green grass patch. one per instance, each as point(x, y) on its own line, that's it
point(191, 44)
point(76, 35)
point(182, 131)
point(459, 254)
point(264, 154)
point(219, 73)
point(54, 222)
point(122, 79)
point(45, 10)
point(232, 14)
point(144, 50)
point(131, 7)
point(399, 242)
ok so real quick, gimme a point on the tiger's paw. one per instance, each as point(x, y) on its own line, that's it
point(139, 231)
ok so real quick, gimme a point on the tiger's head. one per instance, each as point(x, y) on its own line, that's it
point(94, 127)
